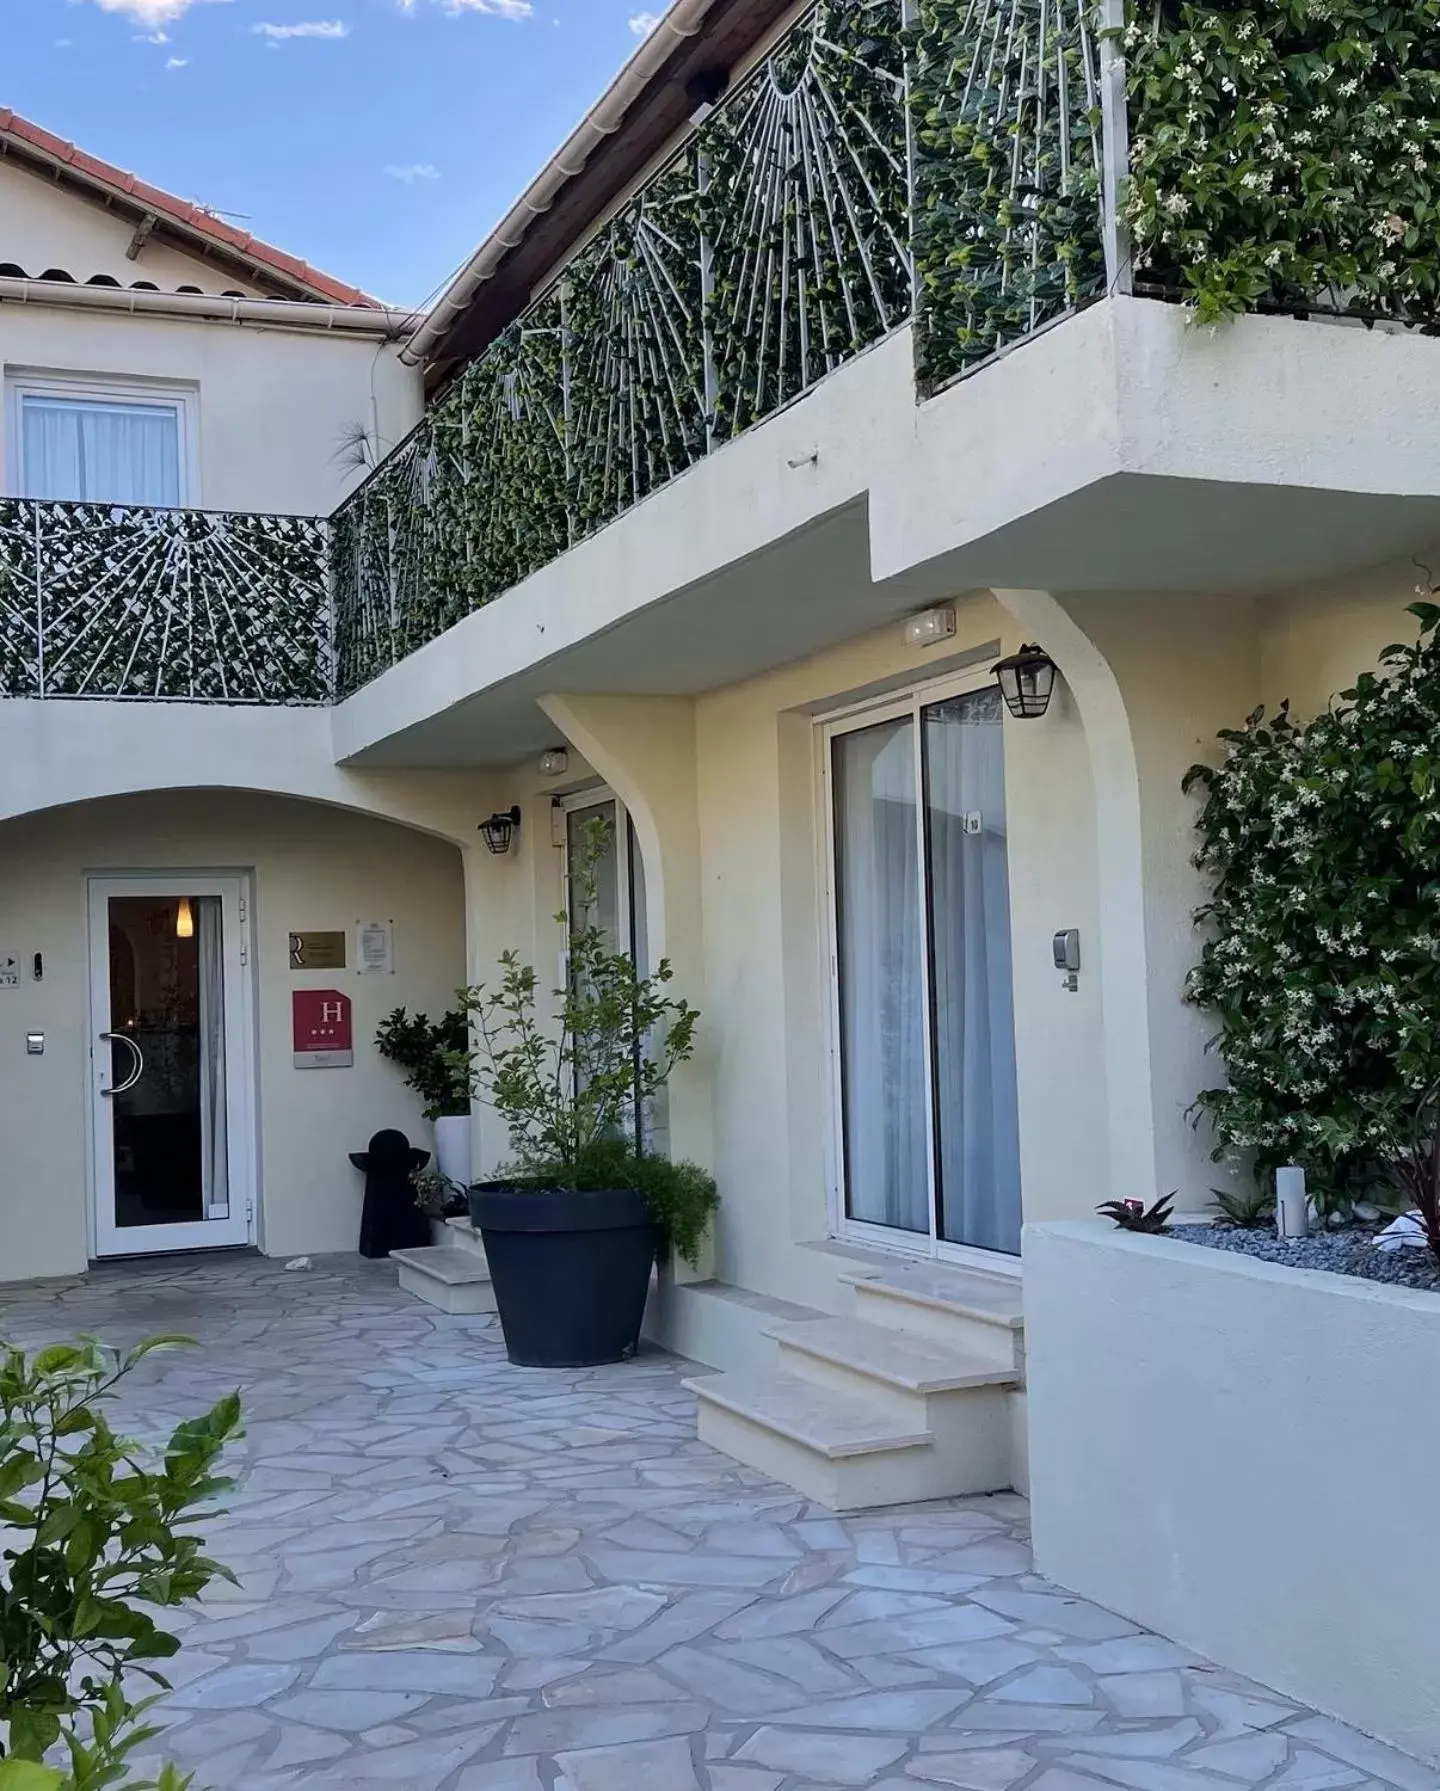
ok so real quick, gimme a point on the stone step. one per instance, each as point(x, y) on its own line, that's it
point(847, 1453)
point(454, 1280)
point(873, 1360)
point(978, 1315)
point(462, 1235)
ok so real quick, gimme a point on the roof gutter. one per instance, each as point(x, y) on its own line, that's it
point(282, 314)
point(685, 19)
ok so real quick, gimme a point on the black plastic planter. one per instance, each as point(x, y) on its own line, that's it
point(570, 1271)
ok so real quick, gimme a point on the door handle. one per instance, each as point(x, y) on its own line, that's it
point(137, 1069)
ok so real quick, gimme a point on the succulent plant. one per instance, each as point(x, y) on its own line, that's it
point(1134, 1215)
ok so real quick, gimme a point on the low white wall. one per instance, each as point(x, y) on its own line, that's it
point(313, 867)
point(1243, 1457)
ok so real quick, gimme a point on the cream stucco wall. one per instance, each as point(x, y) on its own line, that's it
point(271, 405)
point(312, 867)
point(44, 227)
point(724, 791)
point(1229, 1452)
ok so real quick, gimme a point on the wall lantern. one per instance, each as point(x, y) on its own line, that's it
point(499, 830)
point(1026, 680)
point(184, 920)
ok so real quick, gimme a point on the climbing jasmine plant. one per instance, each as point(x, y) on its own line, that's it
point(1321, 961)
point(1287, 155)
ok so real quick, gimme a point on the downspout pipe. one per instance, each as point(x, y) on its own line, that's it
point(685, 20)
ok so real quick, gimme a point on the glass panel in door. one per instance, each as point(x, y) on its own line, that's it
point(972, 1002)
point(882, 977)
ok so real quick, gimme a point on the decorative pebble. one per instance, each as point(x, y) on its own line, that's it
point(1347, 1251)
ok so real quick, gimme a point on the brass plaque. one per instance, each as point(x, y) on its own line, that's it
point(317, 951)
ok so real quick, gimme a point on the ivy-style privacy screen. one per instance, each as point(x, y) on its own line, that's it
point(101, 600)
point(772, 248)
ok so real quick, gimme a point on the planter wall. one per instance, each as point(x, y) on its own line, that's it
point(1244, 1457)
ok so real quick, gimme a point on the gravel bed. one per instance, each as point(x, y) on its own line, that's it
point(1348, 1250)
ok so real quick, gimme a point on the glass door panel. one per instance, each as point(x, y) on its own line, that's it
point(972, 1004)
point(882, 977)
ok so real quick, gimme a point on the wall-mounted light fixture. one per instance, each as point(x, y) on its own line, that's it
point(184, 920)
point(930, 626)
point(1026, 680)
point(500, 829)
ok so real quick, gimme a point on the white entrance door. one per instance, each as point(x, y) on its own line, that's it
point(171, 1064)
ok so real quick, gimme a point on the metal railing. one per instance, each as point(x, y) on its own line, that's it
point(884, 153)
point(106, 600)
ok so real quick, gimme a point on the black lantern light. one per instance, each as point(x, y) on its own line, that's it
point(499, 830)
point(1026, 680)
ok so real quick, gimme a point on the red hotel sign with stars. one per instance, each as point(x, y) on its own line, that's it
point(324, 1031)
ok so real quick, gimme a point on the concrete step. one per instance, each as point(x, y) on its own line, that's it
point(462, 1235)
point(847, 1453)
point(914, 1374)
point(453, 1280)
point(977, 1315)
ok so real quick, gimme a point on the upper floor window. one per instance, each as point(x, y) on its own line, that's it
point(99, 445)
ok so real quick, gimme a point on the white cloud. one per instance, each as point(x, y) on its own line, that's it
point(152, 37)
point(643, 23)
point(500, 9)
point(410, 172)
point(305, 28)
point(62, 43)
point(178, 62)
point(151, 13)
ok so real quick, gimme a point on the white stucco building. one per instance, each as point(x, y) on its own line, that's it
point(679, 536)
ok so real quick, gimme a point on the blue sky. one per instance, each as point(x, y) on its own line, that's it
point(379, 139)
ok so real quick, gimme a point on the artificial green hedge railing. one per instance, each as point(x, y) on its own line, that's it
point(769, 251)
point(103, 600)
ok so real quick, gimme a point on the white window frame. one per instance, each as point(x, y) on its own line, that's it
point(596, 796)
point(891, 705)
point(94, 388)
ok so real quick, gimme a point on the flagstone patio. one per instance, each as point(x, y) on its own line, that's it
point(461, 1576)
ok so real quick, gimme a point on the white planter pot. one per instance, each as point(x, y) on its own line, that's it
point(452, 1149)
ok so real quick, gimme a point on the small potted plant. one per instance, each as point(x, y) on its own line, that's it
point(431, 1055)
point(572, 1228)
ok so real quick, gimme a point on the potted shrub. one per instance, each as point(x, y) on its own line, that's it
point(572, 1228)
point(431, 1055)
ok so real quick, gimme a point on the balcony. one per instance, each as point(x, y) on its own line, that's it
point(974, 170)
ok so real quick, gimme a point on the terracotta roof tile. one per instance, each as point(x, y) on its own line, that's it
point(181, 212)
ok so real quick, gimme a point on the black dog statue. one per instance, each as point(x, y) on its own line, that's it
point(390, 1219)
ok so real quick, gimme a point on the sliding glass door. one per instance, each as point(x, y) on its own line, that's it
point(929, 1142)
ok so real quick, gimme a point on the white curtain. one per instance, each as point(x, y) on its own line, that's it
point(214, 1135)
point(974, 1045)
point(882, 977)
point(74, 449)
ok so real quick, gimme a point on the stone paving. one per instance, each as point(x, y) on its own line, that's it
point(461, 1576)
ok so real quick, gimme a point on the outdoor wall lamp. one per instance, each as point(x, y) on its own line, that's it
point(499, 830)
point(1026, 680)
